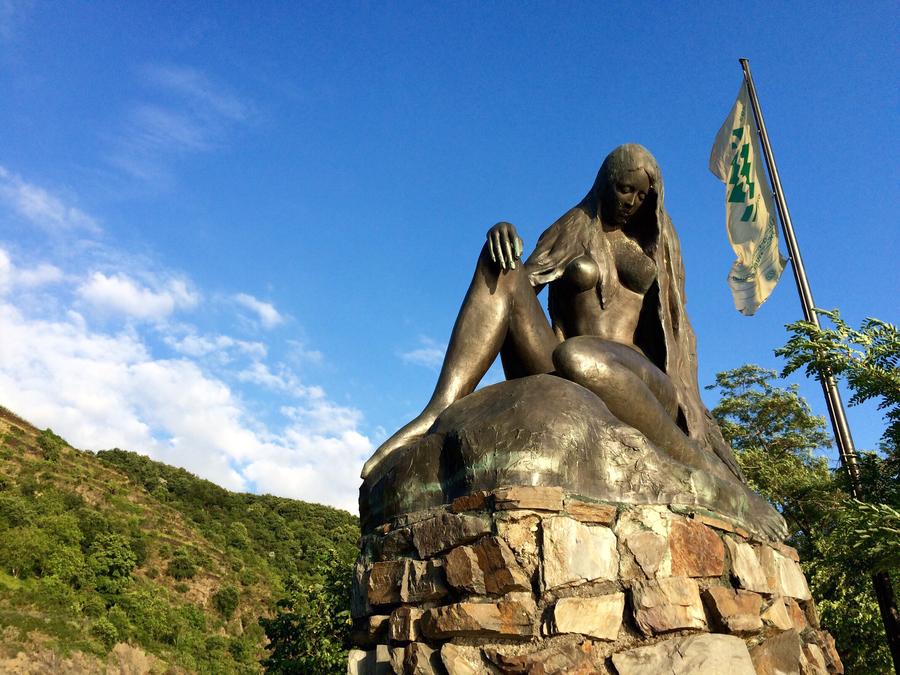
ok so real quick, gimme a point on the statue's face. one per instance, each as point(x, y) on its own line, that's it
point(625, 196)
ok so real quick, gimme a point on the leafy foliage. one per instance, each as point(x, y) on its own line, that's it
point(181, 566)
point(225, 600)
point(50, 444)
point(868, 358)
point(874, 534)
point(105, 631)
point(311, 631)
point(112, 561)
point(778, 441)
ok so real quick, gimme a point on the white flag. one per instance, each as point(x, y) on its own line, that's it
point(749, 208)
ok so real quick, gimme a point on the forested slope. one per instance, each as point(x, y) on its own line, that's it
point(112, 557)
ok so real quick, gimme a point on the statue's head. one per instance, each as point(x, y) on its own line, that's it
point(628, 177)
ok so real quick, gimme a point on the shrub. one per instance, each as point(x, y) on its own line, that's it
point(104, 630)
point(150, 615)
point(181, 566)
point(216, 643)
point(118, 617)
point(92, 606)
point(92, 524)
point(50, 444)
point(28, 485)
point(50, 592)
point(138, 542)
point(238, 537)
point(226, 600)
point(63, 528)
point(72, 501)
point(239, 649)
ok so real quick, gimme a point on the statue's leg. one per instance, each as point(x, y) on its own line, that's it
point(636, 392)
point(500, 311)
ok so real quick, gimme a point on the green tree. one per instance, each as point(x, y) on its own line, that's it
point(67, 564)
point(238, 536)
point(112, 561)
point(777, 441)
point(25, 551)
point(150, 615)
point(14, 511)
point(62, 528)
point(310, 632)
point(867, 359)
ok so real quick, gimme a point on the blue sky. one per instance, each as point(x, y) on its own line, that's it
point(235, 236)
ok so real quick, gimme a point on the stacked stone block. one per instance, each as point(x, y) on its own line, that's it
point(531, 580)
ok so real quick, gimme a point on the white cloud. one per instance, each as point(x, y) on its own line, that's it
point(322, 417)
point(222, 346)
point(40, 207)
point(108, 389)
point(319, 455)
point(184, 112)
point(265, 312)
point(197, 88)
point(157, 128)
point(430, 354)
point(119, 293)
point(39, 276)
point(26, 277)
point(300, 353)
point(284, 381)
point(320, 468)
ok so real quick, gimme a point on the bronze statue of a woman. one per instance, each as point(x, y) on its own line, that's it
point(617, 323)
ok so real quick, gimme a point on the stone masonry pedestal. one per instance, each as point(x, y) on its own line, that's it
point(530, 580)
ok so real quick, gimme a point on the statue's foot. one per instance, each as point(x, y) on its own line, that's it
point(741, 502)
point(692, 454)
point(407, 434)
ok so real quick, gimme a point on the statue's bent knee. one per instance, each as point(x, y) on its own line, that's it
point(580, 358)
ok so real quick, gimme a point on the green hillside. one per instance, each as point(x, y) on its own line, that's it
point(111, 557)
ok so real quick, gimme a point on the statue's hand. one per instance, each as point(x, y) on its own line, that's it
point(505, 245)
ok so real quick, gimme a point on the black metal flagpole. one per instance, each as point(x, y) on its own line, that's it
point(846, 450)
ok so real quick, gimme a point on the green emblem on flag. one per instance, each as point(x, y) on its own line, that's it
point(743, 189)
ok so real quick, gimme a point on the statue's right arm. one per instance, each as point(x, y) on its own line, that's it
point(505, 245)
